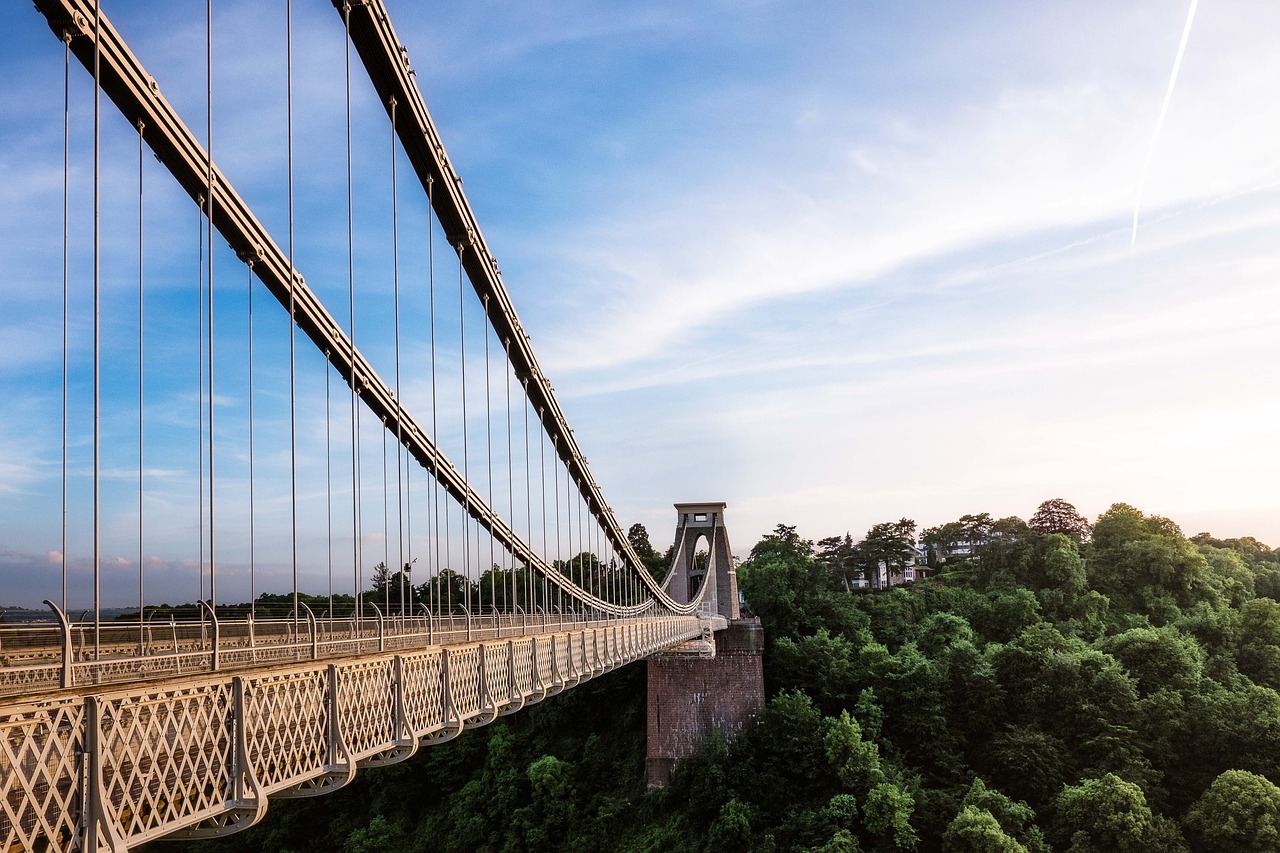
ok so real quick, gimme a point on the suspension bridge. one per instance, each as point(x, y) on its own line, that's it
point(462, 559)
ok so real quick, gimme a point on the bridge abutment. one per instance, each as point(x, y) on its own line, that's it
point(691, 696)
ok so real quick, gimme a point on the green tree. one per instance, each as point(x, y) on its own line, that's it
point(977, 831)
point(887, 546)
point(822, 666)
point(1110, 815)
point(856, 762)
point(888, 815)
point(1140, 558)
point(1259, 641)
point(783, 542)
point(1063, 567)
point(1016, 819)
point(838, 555)
point(1159, 658)
point(977, 527)
point(380, 836)
point(940, 541)
point(1239, 813)
point(547, 820)
point(638, 536)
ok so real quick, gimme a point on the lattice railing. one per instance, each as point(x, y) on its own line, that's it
point(497, 672)
point(240, 645)
point(365, 692)
point(164, 758)
point(287, 726)
point(523, 658)
point(136, 764)
point(41, 748)
point(464, 680)
point(424, 693)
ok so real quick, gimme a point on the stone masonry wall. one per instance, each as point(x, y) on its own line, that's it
point(690, 696)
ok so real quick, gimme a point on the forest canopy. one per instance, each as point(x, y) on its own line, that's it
point(1103, 687)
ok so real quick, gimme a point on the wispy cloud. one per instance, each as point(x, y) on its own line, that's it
point(824, 262)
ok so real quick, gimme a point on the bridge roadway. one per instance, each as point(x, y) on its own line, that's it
point(197, 755)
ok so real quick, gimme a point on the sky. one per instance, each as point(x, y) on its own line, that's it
point(832, 263)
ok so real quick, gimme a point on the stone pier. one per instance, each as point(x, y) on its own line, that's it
point(691, 695)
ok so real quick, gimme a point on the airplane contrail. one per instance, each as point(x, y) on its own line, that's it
point(1164, 108)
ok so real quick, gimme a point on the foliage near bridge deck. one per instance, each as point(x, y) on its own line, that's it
point(1111, 694)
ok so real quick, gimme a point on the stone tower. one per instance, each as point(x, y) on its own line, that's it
point(696, 522)
point(699, 687)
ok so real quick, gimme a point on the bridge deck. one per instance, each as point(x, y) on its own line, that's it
point(199, 755)
point(43, 658)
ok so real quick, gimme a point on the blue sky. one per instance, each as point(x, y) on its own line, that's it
point(833, 263)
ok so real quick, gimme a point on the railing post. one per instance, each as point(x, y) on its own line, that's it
point(404, 735)
point(446, 690)
point(67, 650)
point(512, 692)
point(246, 790)
point(382, 638)
point(312, 628)
point(213, 618)
point(173, 632)
point(534, 678)
point(397, 672)
point(253, 642)
point(331, 752)
point(95, 816)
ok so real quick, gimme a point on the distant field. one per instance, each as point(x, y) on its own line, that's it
point(13, 615)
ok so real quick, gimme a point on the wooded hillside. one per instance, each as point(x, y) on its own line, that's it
point(1114, 693)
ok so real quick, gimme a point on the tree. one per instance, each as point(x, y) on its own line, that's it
point(553, 810)
point(888, 815)
point(1144, 559)
point(731, 830)
point(1159, 658)
point(837, 554)
point(784, 585)
point(1009, 527)
point(1063, 568)
point(1058, 516)
point(977, 831)
point(1110, 815)
point(1239, 813)
point(888, 545)
point(1016, 819)
point(392, 591)
point(783, 543)
point(977, 528)
point(638, 536)
point(381, 578)
point(447, 592)
point(856, 762)
point(939, 541)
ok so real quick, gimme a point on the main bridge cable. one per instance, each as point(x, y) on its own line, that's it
point(135, 93)
point(387, 64)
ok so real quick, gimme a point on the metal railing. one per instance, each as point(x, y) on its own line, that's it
point(107, 769)
point(39, 658)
